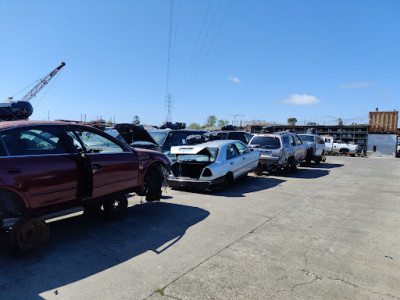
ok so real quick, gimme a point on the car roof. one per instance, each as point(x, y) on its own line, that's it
point(13, 124)
point(176, 130)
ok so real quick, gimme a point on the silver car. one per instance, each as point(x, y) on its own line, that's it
point(279, 151)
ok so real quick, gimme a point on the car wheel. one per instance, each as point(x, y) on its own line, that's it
point(152, 184)
point(259, 170)
point(115, 207)
point(317, 160)
point(290, 166)
point(29, 234)
point(92, 209)
point(308, 158)
point(228, 180)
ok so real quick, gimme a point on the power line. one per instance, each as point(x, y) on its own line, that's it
point(168, 98)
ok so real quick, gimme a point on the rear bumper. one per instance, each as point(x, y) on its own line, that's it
point(270, 163)
point(194, 184)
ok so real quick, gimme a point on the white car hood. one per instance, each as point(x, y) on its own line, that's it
point(186, 149)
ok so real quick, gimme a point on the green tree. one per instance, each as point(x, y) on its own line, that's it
point(222, 123)
point(211, 121)
point(292, 121)
point(136, 120)
point(194, 126)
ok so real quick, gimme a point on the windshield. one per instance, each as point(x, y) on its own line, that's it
point(266, 141)
point(159, 136)
point(205, 155)
point(115, 134)
point(307, 138)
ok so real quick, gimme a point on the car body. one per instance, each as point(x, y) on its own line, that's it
point(49, 167)
point(335, 147)
point(279, 150)
point(211, 165)
point(245, 137)
point(317, 146)
point(167, 138)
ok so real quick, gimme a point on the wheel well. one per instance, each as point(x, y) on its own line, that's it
point(344, 150)
point(229, 176)
point(11, 204)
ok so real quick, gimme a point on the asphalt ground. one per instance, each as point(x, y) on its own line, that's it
point(329, 231)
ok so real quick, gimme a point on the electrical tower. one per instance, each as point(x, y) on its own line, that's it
point(168, 107)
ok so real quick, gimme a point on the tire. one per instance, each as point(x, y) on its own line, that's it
point(290, 166)
point(259, 170)
point(153, 183)
point(115, 207)
point(317, 160)
point(92, 210)
point(228, 180)
point(308, 158)
point(29, 234)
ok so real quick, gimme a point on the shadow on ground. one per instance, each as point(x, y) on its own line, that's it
point(249, 184)
point(81, 246)
point(325, 166)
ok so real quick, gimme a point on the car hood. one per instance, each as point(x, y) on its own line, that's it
point(133, 133)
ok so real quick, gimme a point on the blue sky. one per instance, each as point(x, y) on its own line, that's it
point(265, 60)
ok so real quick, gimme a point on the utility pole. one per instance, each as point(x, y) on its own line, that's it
point(234, 118)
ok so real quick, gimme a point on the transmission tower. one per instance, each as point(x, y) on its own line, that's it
point(168, 107)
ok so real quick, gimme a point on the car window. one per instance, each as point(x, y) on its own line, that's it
point(242, 148)
point(248, 137)
point(292, 140)
point(266, 141)
point(95, 143)
point(298, 140)
point(231, 152)
point(2, 150)
point(177, 138)
point(286, 141)
point(307, 138)
point(35, 141)
point(236, 136)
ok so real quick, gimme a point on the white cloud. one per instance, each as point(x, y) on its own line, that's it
point(356, 85)
point(234, 79)
point(302, 100)
point(383, 92)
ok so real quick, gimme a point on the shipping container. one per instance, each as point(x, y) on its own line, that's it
point(383, 122)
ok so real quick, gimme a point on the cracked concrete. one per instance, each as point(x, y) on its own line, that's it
point(305, 236)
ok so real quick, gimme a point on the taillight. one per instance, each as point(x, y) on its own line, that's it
point(207, 172)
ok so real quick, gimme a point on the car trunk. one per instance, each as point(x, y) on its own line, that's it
point(188, 169)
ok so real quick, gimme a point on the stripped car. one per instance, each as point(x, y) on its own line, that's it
point(211, 165)
point(47, 168)
point(316, 151)
point(279, 151)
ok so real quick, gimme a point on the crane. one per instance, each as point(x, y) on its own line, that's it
point(22, 109)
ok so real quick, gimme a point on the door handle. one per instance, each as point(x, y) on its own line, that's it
point(97, 166)
point(13, 170)
point(232, 163)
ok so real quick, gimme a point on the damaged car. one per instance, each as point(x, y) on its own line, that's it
point(211, 165)
point(47, 168)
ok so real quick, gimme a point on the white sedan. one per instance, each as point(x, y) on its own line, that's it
point(211, 165)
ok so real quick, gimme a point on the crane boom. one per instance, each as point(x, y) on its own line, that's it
point(42, 83)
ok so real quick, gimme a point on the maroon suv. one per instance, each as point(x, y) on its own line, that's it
point(50, 167)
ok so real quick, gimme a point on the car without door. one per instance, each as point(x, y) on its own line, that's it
point(279, 151)
point(47, 168)
point(211, 165)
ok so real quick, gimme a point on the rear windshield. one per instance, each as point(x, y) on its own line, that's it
point(159, 136)
point(266, 141)
point(206, 155)
point(307, 138)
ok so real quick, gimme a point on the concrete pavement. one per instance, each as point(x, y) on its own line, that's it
point(330, 231)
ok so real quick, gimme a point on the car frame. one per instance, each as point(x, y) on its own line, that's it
point(231, 159)
point(47, 168)
point(281, 151)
